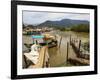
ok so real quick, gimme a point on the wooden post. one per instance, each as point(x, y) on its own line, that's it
point(44, 62)
point(55, 37)
point(67, 51)
point(60, 41)
point(26, 64)
point(70, 39)
point(79, 44)
point(74, 40)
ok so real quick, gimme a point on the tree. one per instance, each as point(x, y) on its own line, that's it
point(80, 28)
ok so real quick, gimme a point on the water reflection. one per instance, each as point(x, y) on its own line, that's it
point(58, 55)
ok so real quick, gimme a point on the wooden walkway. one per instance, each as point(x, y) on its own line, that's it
point(43, 58)
point(72, 57)
point(80, 52)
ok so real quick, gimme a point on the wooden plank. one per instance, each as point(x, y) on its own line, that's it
point(41, 59)
point(60, 41)
point(67, 51)
point(78, 61)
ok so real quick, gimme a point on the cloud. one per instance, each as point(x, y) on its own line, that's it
point(31, 17)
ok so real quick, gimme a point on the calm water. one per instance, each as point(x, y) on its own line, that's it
point(58, 55)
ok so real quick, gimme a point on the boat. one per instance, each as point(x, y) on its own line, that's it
point(50, 40)
point(45, 39)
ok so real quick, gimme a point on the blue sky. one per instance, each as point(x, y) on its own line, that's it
point(31, 17)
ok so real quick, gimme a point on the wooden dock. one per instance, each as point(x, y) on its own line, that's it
point(75, 56)
point(80, 52)
point(73, 59)
point(43, 59)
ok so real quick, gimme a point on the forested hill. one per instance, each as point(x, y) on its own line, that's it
point(63, 23)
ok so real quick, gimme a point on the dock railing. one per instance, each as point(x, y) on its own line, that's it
point(80, 52)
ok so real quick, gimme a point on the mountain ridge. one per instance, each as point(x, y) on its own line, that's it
point(63, 23)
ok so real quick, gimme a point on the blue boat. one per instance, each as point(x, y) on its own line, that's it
point(37, 36)
point(40, 39)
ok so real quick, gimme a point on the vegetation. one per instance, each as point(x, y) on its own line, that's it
point(76, 28)
point(80, 28)
point(24, 26)
point(63, 29)
point(28, 26)
point(86, 46)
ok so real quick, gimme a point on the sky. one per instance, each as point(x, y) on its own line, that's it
point(34, 18)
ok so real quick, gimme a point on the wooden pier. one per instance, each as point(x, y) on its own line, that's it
point(74, 53)
point(80, 52)
point(73, 59)
point(43, 59)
